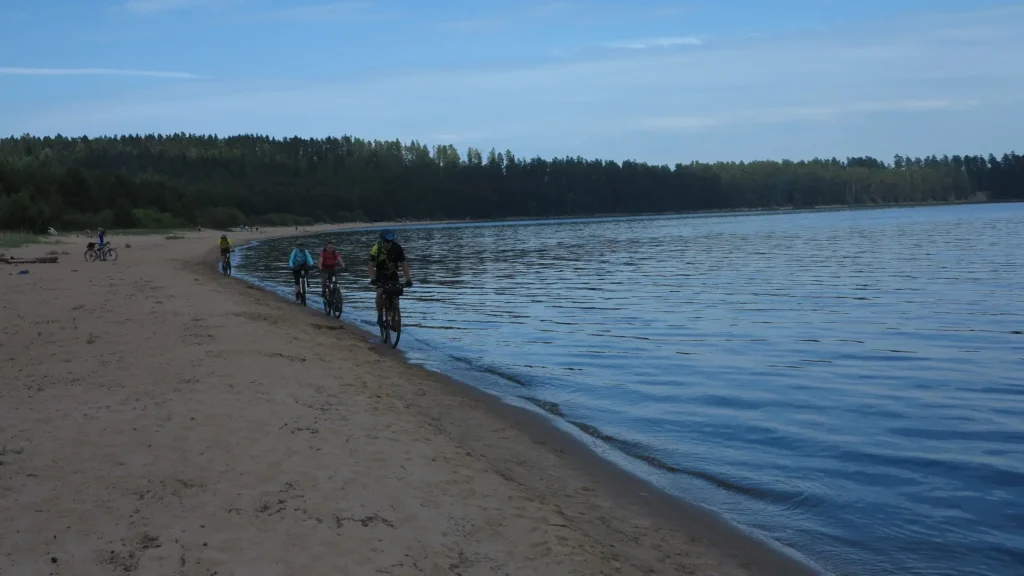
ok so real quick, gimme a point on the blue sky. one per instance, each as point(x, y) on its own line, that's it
point(657, 81)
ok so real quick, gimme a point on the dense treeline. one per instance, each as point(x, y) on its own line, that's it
point(167, 181)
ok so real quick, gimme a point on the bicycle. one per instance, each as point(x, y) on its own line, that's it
point(333, 300)
point(303, 286)
point(391, 313)
point(225, 264)
point(107, 253)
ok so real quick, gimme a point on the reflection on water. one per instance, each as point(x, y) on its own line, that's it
point(847, 383)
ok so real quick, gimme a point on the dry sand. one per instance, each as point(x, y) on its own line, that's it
point(157, 418)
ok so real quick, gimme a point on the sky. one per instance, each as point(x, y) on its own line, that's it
point(648, 80)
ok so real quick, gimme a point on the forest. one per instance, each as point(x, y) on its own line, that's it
point(168, 181)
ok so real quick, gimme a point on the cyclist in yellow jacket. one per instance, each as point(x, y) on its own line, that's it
point(225, 245)
point(385, 258)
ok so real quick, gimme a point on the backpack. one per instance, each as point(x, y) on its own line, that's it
point(380, 257)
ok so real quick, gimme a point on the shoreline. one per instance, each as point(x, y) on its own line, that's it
point(160, 418)
point(627, 487)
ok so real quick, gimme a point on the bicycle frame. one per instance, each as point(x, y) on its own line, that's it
point(304, 285)
point(391, 313)
point(330, 292)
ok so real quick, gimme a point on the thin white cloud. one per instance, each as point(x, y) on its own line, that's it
point(911, 105)
point(16, 71)
point(574, 13)
point(648, 43)
point(155, 6)
point(344, 10)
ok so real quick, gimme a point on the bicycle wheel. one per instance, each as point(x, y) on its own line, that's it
point(396, 323)
point(91, 255)
point(111, 255)
point(328, 299)
point(338, 302)
point(385, 325)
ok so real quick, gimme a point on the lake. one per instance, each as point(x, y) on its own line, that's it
point(845, 383)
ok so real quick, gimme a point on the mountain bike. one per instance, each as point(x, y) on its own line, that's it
point(303, 286)
point(92, 253)
point(392, 315)
point(225, 263)
point(331, 294)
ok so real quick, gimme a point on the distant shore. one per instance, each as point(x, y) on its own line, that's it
point(347, 226)
point(10, 239)
point(727, 211)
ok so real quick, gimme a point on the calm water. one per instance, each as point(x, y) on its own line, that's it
point(845, 383)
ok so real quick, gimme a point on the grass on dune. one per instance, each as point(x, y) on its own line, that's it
point(17, 239)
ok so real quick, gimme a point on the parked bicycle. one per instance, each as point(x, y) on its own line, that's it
point(107, 253)
point(392, 315)
point(331, 294)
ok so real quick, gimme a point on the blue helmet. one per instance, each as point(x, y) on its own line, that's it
point(387, 235)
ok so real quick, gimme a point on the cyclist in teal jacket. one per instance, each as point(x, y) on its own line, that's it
point(300, 261)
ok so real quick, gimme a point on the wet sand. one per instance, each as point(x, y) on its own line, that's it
point(158, 418)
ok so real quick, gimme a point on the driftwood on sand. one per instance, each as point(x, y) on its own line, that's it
point(36, 260)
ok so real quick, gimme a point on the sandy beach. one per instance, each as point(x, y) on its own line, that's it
point(158, 418)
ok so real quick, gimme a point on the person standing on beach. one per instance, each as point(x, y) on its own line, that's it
point(101, 236)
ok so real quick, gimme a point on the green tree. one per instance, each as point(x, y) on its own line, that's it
point(224, 182)
point(22, 212)
point(124, 216)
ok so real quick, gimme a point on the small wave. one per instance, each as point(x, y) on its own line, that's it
point(490, 370)
point(991, 474)
point(550, 407)
point(996, 436)
point(593, 431)
point(639, 452)
point(1016, 390)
